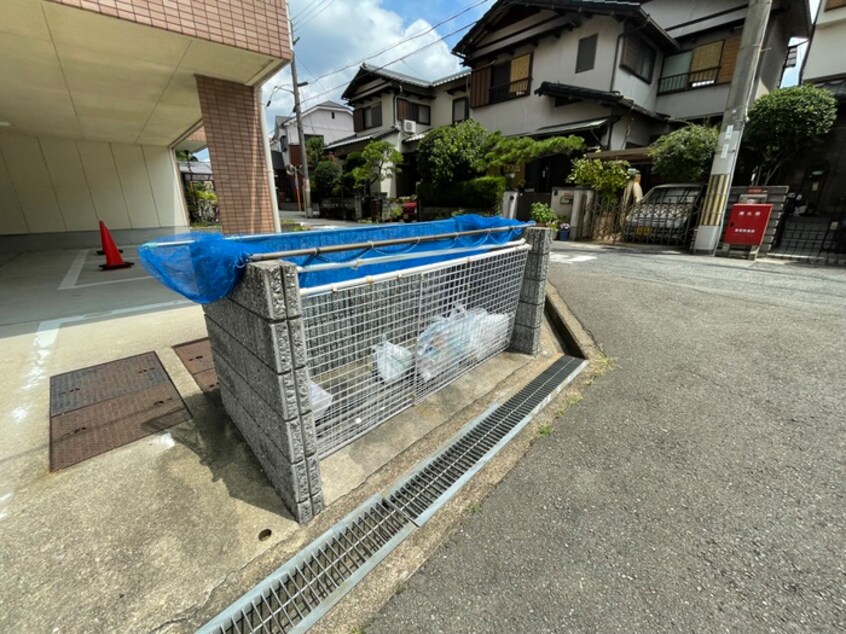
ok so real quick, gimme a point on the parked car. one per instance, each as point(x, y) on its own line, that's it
point(667, 214)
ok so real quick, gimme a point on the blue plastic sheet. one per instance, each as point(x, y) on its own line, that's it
point(205, 267)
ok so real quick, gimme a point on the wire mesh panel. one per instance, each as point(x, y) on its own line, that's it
point(375, 349)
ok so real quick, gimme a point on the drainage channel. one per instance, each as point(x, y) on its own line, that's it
point(434, 481)
point(294, 597)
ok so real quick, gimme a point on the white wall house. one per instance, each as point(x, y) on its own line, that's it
point(617, 73)
point(400, 109)
point(329, 120)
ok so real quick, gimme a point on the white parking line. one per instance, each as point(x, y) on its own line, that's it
point(69, 283)
point(560, 258)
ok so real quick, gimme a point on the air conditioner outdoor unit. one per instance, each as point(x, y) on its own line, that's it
point(409, 126)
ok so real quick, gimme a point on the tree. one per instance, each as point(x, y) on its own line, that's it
point(606, 178)
point(508, 153)
point(326, 179)
point(381, 160)
point(452, 153)
point(686, 154)
point(314, 150)
point(785, 122)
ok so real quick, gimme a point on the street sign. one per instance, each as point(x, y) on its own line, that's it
point(747, 225)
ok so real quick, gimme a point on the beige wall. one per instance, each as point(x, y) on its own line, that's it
point(50, 184)
point(825, 58)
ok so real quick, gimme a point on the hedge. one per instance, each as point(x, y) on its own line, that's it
point(480, 193)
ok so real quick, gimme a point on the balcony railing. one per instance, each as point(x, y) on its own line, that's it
point(688, 81)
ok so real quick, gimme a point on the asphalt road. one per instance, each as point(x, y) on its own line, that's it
point(698, 487)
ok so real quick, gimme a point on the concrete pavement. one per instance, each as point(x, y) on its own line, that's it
point(699, 486)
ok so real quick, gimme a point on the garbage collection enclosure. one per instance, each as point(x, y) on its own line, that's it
point(375, 348)
point(320, 337)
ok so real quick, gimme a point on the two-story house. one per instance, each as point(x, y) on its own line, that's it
point(618, 73)
point(400, 109)
point(819, 175)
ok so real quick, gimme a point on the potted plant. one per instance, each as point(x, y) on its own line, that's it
point(543, 216)
point(564, 231)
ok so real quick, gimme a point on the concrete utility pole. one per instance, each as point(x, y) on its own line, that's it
point(731, 133)
point(299, 114)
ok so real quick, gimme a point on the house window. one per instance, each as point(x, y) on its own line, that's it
point(702, 66)
point(460, 109)
point(333, 115)
point(638, 58)
point(586, 58)
point(365, 118)
point(410, 111)
point(501, 82)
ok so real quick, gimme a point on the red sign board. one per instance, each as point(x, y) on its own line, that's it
point(747, 224)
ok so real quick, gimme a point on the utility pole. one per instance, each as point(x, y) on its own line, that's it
point(731, 132)
point(299, 114)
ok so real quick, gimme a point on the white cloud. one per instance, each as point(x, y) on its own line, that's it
point(348, 31)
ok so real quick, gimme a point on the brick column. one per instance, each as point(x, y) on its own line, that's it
point(232, 121)
point(258, 342)
point(527, 323)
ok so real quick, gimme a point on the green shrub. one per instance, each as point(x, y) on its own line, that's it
point(484, 192)
point(543, 214)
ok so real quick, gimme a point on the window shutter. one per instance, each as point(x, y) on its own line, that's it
point(480, 87)
point(705, 57)
point(403, 110)
point(358, 120)
point(520, 68)
point(377, 116)
point(729, 60)
point(586, 57)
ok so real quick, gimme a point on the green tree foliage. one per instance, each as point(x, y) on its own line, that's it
point(453, 153)
point(686, 154)
point(783, 123)
point(326, 179)
point(314, 150)
point(352, 161)
point(381, 160)
point(606, 178)
point(508, 153)
point(479, 194)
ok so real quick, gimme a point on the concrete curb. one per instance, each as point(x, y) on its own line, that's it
point(365, 601)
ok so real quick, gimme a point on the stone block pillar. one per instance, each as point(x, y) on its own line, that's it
point(258, 341)
point(233, 125)
point(527, 323)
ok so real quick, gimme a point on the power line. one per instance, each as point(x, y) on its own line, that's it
point(314, 15)
point(399, 59)
point(308, 8)
point(404, 41)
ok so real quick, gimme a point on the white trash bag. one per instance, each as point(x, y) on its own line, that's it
point(320, 399)
point(443, 344)
point(487, 332)
point(392, 361)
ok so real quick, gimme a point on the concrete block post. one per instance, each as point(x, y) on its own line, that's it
point(258, 342)
point(527, 322)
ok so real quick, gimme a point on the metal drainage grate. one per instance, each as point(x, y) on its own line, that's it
point(298, 594)
point(433, 482)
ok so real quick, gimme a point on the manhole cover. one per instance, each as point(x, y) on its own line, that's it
point(197, 358)
point(97, 409)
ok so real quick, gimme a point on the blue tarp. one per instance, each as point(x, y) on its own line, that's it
point(204, 267)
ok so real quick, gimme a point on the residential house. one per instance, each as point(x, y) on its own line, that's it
point(817, 230)
point(328, 121)
point(819, 176)
point(96, 96)
point(619, 74)
point(400, 109)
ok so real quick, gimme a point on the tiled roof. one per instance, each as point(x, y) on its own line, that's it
point(357, 138)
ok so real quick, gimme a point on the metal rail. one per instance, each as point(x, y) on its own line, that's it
point(336, 248)
point(414, 255)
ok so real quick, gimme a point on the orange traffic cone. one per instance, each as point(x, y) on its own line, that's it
point(113, 256)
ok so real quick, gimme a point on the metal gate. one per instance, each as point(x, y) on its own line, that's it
point(668, 223)
point(376, 348)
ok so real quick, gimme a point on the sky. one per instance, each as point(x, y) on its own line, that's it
point(338, 33)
